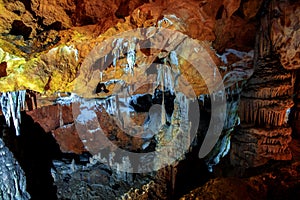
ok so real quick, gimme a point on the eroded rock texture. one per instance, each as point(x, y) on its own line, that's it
point(285, 32)
point(266, 104)
point(71, 30)
point(295, 117)
point(13, 181)
point(278, 183)
point(51, 47)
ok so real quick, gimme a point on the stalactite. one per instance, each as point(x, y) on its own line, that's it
point(11, 104)
point(131, 57)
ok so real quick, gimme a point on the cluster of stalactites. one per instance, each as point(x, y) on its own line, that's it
point(11, 105)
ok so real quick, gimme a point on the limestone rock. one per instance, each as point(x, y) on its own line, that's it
point(266, 102)
point(251, 8)
point(54, 13)
point(285, 32)
point(69, 141)
point(52, 117)
point(13, 180)
point(16, 19)
point(58, 25)
point(252, 147)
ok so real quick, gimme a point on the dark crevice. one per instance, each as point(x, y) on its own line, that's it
point(17, 12)
point(294, 116)
point(264, 9)
point(123, 10)
point(3, 67)
point(19, 28)
point(143, 103)
point(27, 5)
point(54, 26)
point(220, 12)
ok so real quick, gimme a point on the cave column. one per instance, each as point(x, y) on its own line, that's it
point(266, 101)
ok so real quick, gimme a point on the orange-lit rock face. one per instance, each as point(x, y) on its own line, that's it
point(285, 32)
point(59, 121)
point(78, 25)
point(59, 49)
point(63, 55)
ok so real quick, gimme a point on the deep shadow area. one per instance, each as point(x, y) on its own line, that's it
point(34, 149)
point(191, 173)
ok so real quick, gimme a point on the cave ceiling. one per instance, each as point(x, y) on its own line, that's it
point(45, 43)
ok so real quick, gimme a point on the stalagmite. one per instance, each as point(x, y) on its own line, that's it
point(12, 177)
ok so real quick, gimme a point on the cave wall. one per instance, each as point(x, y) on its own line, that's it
point(44, 45)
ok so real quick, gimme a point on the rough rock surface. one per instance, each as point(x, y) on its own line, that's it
point(266, 102)
point(264, 111)
point(281, 183)
point(63, 32)
point(46, 45)
point(13, 180)
point(285, 32)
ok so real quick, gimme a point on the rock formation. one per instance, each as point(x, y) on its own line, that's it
point(139, 71)
point(267, 98)
point(268, 185)
point(264, 111)
point(13, 181)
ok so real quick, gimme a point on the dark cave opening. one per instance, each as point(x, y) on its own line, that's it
point(19, 28)
point(143, 103)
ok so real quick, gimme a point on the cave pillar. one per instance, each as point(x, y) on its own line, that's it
point(267, 98)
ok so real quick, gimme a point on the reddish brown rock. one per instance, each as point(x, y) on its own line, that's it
point(3, 67)
point(93, 12)
point(264, 111)
point(252, 147)
point(229, 34)
point(251, 8)
point(267, 98)
point(52, 117)
point(67, 138)
point(295, 112)
point(278, 183)
point(223, 188)
point(54, 12)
